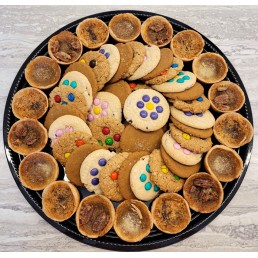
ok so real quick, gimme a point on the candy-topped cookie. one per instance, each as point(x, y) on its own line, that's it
point(146, 110)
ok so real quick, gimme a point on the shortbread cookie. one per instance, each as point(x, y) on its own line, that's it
point(200, 121)
point(177, 168)
point(171, 213)
point(151, 60)
point(91, 168)
point(74, 162)
point(140, 180)
point(107, 131)
point(80, 82)
point(124, 175)
point(146, 110)
point(108, 177)
point(105, 105)
point(192, 143)
point(183, 81)
point(162, 176)
point(181, 155)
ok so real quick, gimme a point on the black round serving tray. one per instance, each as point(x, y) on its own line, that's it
point(156, 238)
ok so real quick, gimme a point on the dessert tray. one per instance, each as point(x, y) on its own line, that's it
point(156, 238)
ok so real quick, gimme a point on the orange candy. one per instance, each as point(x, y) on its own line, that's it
point(132, 85)
point(164, 73)
point(114, 175)
point(79, 143)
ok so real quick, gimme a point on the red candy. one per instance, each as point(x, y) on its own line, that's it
point(132, 85)
point(79, 143)
point(117, 137)
point(105, 130)
point(57, 99)
point(114, 175)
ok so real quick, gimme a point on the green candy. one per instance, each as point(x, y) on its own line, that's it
point(109, 141)
point(100, 143)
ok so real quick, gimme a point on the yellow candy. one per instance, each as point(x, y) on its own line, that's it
point(67, 155)
point(150, 106)
point(186, 136)
point(96, 110)
point(83, 61)
point(164, 169)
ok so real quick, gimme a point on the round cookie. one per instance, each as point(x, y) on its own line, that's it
point(99, 64)
point(124, 175)
point(146, 110)
point(133, 139)
point(200, 121)
point(108, 178)
point(61, 110)
point(192, 143)
point(150, 62)
point(139, 52)
point(201, 133)
point(91, 168)
point(80, 82)
point(183, 81)
point(68, 96)
point(189, 94)
point(112, 54)
point(177, 168)
point(198, 105)
point(166, 60)
point(105, 105)
point(140, 180)
point(162, 176)
point(163, 77)
point(83, 68)
point(73, 164)
point(178, 153)
point(121, 89)
point(67, 124)
point(107, 131)
point(126, 58)
point(68, 143)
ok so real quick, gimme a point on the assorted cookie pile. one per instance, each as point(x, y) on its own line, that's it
point(131, 125)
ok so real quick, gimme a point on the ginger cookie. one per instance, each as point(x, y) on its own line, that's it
point(74, 162)
point(163, 77)
point(121, 89)
point(85, 69)
point(68, 96)
point(108, 178)
point(29, 103)
point(133, 139)
point(171, 213)
point(92, 32)
point(192, 143)
point(162, 176)
point(203, 192)
point(146, 110)
point(141, 181)
point(99, 64)
point(177, 168)
point(61, 110)
point(126, 58)
point(68, 143)
point(91, 168)
point(139, 52)
point(124, 175)
point(107, 131)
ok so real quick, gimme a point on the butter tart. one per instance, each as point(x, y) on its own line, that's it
point(210, 68)
point(37, 170)
point(60, 200)
point(224, 163)
point(203, 192)
point(171, 213)
point(65, 48)
point(226, 96)
point(133, 220)
point(95, 216)
point(42, 72)
point(27, 136)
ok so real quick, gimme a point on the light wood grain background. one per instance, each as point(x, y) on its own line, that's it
point(233, 29)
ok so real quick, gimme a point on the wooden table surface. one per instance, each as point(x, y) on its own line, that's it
point(233, 29)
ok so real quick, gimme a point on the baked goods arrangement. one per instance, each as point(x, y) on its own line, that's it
point(140, 116)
